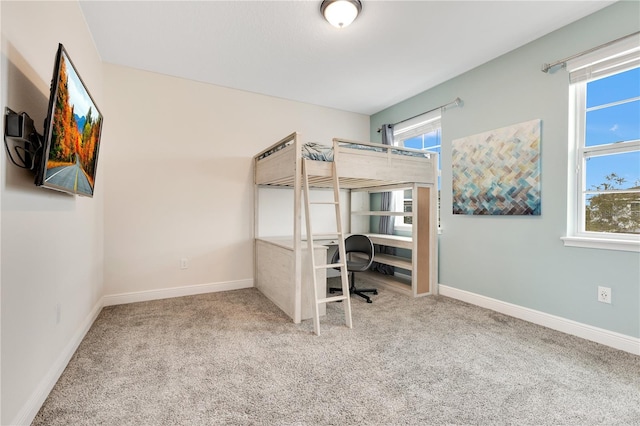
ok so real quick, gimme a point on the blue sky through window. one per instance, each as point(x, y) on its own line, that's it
point(609, 122)
point(614, 88)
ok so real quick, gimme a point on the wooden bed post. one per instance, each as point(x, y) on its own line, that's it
point(422, 231)
point(297, 234)
point(256, 231)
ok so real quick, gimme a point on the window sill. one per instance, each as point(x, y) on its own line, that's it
point(602, 243)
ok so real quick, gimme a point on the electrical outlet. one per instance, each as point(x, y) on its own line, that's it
point(604, 294)
point(184, 263)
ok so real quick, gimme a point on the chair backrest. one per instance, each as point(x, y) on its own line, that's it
point(360, 244)
point(357, 243)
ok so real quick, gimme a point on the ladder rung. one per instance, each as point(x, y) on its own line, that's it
point(329, 266)
point(321, 236)
point(333, 299)
point(323, 202)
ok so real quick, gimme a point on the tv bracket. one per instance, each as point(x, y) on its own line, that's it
point(23, 142)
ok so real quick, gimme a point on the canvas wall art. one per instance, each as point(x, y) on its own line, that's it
point(498, 172)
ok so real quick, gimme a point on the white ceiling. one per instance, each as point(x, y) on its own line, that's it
point(394, 49)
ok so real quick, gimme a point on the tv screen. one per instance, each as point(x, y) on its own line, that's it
point(72, 133)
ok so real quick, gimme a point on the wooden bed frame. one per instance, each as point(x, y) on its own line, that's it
point(365, 170)
point(357, 168)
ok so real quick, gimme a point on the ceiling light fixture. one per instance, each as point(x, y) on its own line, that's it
point(340, 13)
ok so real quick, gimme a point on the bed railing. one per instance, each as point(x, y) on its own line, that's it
point(286, 141)
point(389, 149)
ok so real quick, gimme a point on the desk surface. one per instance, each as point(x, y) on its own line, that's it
point(287, 242)
point(389, 240)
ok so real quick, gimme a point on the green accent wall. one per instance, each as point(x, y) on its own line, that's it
point(521, 259)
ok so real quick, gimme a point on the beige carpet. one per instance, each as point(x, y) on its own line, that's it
point(233, 358)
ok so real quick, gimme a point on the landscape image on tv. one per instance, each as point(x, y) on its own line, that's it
point(74, 134)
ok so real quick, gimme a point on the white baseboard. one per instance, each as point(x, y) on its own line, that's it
point(588, 332)
point(166, 293)
point(39, 395)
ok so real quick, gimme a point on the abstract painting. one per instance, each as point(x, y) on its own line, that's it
point(498, 172)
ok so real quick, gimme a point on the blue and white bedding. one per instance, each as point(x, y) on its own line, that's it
point(316, 151)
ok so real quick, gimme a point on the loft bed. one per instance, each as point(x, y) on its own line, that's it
point(360, 164)
point(362, 167)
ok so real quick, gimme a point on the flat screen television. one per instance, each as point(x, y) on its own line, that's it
point(71, 139)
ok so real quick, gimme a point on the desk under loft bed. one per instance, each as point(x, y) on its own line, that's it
point(282, 270)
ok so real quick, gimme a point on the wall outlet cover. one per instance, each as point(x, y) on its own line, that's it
point(604, 294)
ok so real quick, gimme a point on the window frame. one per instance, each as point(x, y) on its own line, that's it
point(417, 126)
point(580, 153)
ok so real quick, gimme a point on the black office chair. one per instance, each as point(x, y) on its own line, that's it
point(359, 249)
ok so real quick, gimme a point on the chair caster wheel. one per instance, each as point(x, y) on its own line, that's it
point(375, 292)
point(369, 301)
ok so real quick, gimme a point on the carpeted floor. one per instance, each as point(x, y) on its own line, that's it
point(233, 358)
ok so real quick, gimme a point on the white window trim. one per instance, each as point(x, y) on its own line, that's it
point(599, 66)
point(603, 242)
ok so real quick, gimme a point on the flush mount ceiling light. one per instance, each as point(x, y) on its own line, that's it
point(340, 13)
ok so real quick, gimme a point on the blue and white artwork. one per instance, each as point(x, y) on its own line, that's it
point(498, 172)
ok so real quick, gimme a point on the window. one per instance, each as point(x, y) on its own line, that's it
point(604, 203)
point(419, 133)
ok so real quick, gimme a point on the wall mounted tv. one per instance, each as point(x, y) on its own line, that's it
point(65, 158)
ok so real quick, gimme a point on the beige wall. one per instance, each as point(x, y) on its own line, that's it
point(52, 243)
point(178, 166)
point(174, 180)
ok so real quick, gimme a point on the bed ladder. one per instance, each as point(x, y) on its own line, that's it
point(345, 296)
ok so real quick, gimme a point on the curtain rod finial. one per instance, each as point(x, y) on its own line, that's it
point(552, 68)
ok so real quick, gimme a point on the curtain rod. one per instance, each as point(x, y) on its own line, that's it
point(456, 102)
point(563, 62)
